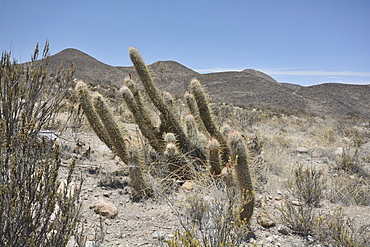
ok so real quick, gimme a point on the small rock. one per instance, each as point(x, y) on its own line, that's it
point(105, 208)
point(107, 194)
point(296, 203)
point(90, 244)
point(279, 192)
point(253, 241)
point(310, 238)
point(278, 198)
point(302, 150)
point(179, 182)
point(283, 229)
point(189, 185)
point(265, 221)
point(339, 151)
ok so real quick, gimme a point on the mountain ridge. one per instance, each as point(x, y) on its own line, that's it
point(244, 88)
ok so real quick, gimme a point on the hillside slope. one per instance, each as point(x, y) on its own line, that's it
point(248, 87)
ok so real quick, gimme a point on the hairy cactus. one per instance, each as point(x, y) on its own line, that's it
point(134, 161)
point(205, 114)
point(142, 120)
point(181, 148)
point(171, 150)
point(191, 129)
point(214, 156)
point(111, 126)
point(173, 158)
point(239, 156)
point(192, 105)
point(168, 114)
point(85, 100)
point(140, 105)
point(169, 137)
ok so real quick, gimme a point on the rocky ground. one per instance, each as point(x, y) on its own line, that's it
point(150, 222)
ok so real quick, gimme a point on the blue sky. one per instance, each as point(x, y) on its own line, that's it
point(299, 41)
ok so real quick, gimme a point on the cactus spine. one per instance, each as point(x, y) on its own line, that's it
point(239, 155)
point(205, 114)
point(111, 126)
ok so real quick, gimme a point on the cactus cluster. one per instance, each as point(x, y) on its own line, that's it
point(171, 138)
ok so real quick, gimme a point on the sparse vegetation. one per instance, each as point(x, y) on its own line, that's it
point(37, 206)
point(306, 185)
point(209, 213)
point(191, 159)
point(340, 230)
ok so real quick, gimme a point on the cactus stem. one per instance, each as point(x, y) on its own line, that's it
point(111, 126)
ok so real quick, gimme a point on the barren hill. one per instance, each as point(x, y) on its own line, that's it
point(87, 68)
point(248, 87)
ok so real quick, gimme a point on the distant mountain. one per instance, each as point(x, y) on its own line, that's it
point(87, 68)
point(337, 98)
point(248, 87)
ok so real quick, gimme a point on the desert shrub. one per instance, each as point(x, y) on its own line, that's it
point(301, 219)
point(339, 230)
point(351, 185)
point(282, 140)
point(36, 208)
point(350, 162)
point(306, 185)
point(348, 190)
point(210, 216)
point(328, 135)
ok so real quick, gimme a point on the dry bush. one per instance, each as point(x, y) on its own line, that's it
point(301, 219)
point(348, 190)
point(350, 184)
point(306, 185)
point(339, 230)
point(350, 162)
point(209, 215)
point(36, 208)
